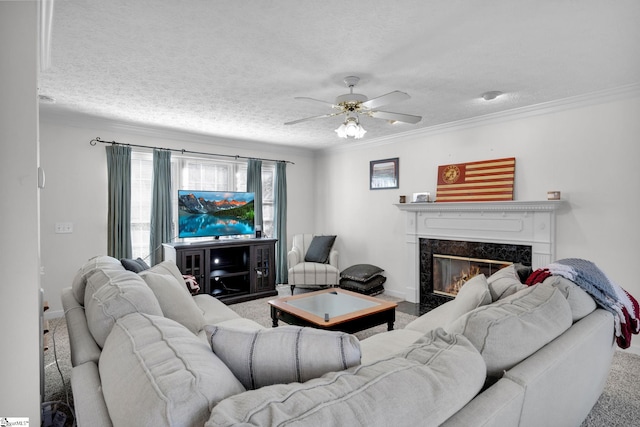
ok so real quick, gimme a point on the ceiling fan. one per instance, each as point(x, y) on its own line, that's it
point(354, 105)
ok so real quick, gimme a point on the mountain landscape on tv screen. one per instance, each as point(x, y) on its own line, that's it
point(189, 203)
point(215, 213)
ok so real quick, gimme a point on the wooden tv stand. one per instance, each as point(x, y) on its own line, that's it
point(232, 270)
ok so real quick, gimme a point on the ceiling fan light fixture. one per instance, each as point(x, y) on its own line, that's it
point(355, 105)
point(351, 128)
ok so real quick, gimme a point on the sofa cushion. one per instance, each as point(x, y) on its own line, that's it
point(282, 355)
point(361, 272)
point(166, 267)
point(156, 373)
point(381, 346)
point(505, 282)
point(319, 249)
point(433, 379)
point(241, 323)
point(313, 273)
point(111, 295)
point(474, 293)
point(579, 300)
point(214, 310)
point(438, 317)
point(92, 265)
point(175, 300)
point(510, 330)
point(136, 265)
point(99, 278)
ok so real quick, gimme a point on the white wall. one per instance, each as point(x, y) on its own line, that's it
point(590, 153)
point(19, 278)
point(76, 192)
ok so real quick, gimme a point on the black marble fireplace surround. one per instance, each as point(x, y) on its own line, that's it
point(494, 251)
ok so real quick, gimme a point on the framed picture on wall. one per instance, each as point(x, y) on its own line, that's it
point(383, 174)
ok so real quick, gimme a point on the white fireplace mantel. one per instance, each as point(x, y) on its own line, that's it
point(529, 223)
point(510, 206)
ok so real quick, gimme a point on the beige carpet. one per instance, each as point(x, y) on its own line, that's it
point(619, 404)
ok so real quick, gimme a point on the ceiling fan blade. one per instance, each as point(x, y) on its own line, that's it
point(399, 117)
point(389, 98)
point(305, 98)
point(312, 118)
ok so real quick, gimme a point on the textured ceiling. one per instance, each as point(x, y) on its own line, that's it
point(232, 68)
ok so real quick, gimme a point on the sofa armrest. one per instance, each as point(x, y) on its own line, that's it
point(439, 317)
point(213, 310)
point(90, 407)
point(294, 256)
point(333, 258)
point(82, 346)
point(564, 379)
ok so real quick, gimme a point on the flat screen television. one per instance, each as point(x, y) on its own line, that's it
point(215, 213)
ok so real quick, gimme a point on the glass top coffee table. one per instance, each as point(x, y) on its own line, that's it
point(333, 309)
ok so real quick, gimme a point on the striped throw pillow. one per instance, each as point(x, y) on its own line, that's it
point(282, 355)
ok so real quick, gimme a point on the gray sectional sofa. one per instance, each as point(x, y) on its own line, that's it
point(146, 352)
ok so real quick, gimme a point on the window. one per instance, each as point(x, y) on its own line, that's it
point(199, 174)
point(190, 173)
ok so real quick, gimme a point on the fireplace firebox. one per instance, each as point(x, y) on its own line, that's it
point(445, 265)
point(451, 272)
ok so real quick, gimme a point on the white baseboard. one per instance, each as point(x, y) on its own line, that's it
point(395, 294)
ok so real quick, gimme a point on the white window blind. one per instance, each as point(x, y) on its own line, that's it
point(190, 173)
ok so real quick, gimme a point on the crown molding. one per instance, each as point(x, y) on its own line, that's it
point(593, 98)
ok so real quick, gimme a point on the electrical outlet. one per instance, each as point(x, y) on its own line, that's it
point(64, 227)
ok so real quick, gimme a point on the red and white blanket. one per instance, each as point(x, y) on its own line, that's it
point(604, 291)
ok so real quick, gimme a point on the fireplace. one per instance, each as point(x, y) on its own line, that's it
point(445, 265)
point(450, 272)
point(526, 227)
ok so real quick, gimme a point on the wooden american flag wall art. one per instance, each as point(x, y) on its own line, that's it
point(483, 181)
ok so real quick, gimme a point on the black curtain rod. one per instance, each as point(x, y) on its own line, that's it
point(94, 141)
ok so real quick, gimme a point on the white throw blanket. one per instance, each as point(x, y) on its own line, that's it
point(604, 291)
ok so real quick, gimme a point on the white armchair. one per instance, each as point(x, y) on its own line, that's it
point(306, 274)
